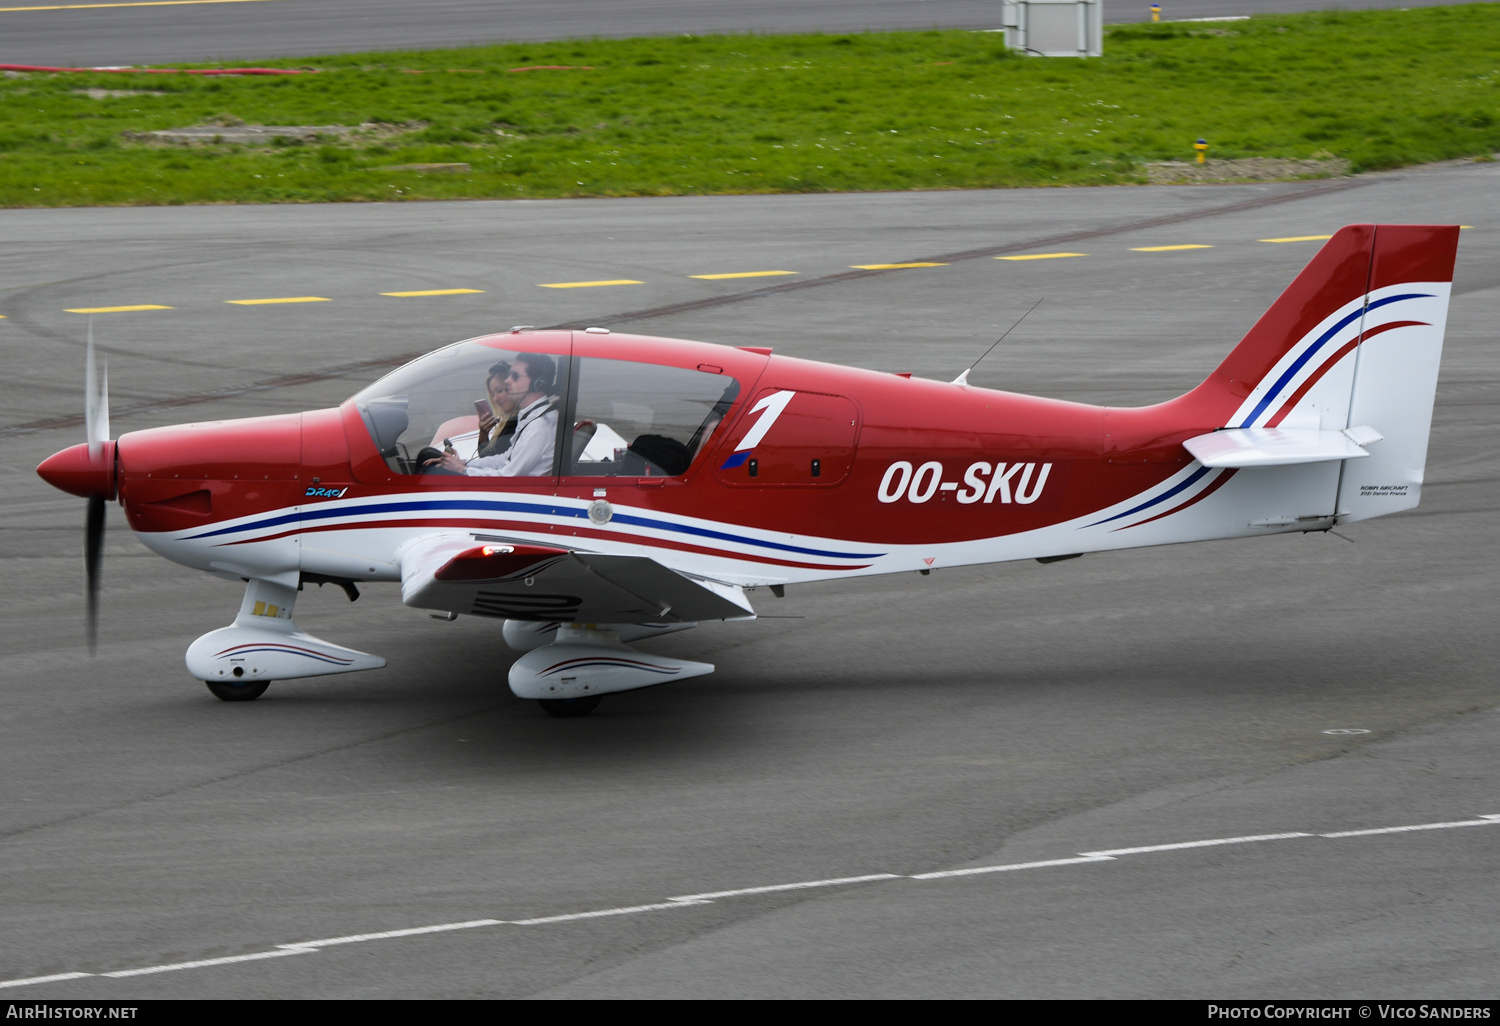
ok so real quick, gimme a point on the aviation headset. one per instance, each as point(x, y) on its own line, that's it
point(543, 370)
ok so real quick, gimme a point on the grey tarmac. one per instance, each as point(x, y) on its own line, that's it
point(901, 725)
point(122, 33)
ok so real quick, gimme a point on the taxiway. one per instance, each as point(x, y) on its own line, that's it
point(888, 728)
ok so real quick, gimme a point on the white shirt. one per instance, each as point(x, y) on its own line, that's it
point(531, 448)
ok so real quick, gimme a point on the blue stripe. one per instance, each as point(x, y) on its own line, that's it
point(1301, 361)
point(329, 513)
point(535, 509)
point(1164, 496)
point(736, 460)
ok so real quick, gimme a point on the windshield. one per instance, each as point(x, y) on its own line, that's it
point(457, 399)
point(620, 418)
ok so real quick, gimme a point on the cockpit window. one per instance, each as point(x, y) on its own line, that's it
point(642, 419)
point(458, 399)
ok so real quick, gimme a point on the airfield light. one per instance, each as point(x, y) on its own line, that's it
point(1202, 147)
point(1156, 12)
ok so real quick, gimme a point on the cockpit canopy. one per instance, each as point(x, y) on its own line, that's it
point(618, 417)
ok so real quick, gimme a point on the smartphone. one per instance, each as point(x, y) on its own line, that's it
point(482, 407)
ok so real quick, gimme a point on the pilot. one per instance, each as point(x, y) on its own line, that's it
point(497, 425)
point(529, 385)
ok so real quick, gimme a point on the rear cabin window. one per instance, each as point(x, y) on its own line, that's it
point(642, 419)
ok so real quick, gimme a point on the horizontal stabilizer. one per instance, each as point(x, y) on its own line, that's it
point(1279, 447)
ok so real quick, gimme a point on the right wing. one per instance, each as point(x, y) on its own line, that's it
point(458, 574)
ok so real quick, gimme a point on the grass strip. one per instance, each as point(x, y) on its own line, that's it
point(760, 114)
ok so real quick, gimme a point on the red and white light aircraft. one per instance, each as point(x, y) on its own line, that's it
point(682, 474)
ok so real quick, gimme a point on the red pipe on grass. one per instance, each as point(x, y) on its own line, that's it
point(161, 71)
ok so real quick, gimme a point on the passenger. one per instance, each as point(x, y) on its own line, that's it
point(529, 385)
point(500, 417)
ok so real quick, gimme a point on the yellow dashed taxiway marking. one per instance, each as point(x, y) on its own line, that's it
point(282, 299)
point(740, 274)
point(1041, 256)
point(890, 267)
point(1164, 249)
point(1300, 238)
point(589, 284)
point(435, 292)
point(117, 309)
point(135, 3)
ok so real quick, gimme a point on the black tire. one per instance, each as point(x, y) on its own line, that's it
point(228, 691)
point(570, 708)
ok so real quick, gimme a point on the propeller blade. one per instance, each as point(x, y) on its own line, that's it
point(90, 394)
point(95, 397)
point(101, 425)
point(93, 549)
point(96, 427)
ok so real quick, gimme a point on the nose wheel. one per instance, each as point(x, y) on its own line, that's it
point(565, 708)
point(234, 691)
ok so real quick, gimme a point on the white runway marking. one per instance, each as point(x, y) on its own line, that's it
point(708, 898)
point(203, 962)
point(767, 889)
point(58, 978)
point(1013, 866)
point(601, 913)
point(1481, 821)
point(360, 938)
point(1195, 844)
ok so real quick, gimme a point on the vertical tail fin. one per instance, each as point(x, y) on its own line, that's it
point(1353, 342)
point(1308, 323)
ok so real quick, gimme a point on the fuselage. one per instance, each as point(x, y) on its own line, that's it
point(862, 472)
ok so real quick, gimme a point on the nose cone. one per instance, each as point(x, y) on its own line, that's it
point(78, 472)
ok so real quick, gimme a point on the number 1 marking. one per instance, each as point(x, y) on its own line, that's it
point(773, 404)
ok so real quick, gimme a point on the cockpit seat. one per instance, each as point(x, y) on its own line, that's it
point(668, 455)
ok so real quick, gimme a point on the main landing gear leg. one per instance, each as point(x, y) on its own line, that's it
point(239, 677)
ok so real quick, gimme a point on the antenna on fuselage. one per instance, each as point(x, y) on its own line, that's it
point(963, 379)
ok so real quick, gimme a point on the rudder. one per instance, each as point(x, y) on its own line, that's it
point(1395, 366)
